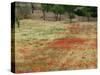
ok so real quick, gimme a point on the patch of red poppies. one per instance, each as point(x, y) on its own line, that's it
point(66, 43)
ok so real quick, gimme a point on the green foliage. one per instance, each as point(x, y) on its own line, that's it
point(87, 12)
point(79, 11)
point(24, 10)
point(93, 11)
point(58, 9)
point(70, 10)
point(46, 7)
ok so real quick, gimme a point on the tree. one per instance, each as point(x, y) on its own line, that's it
point(22, 11)
point(70, 10)
point(87, 12)
point(45, 8)
point(55, 10)
point(93, 11)
point(61, 11)
point(32, 5)
point(58, 10)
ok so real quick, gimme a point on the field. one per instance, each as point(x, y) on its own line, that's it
point(52, 46)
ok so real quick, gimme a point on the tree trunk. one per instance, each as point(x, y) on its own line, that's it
point(32, 8)
point(43, 15)
point(59, 17)
point(55, 17)
point(88, 18)
point(70, 19)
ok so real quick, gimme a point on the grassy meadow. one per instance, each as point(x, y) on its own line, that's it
point(52, 46)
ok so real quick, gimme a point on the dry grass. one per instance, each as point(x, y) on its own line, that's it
point(50, 46)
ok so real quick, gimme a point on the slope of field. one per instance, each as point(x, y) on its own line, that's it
point(51, 46)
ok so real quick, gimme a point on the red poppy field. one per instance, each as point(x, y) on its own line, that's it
point(54, 46)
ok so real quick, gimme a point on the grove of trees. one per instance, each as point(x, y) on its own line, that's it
point(58, 10)
point(25, 10)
